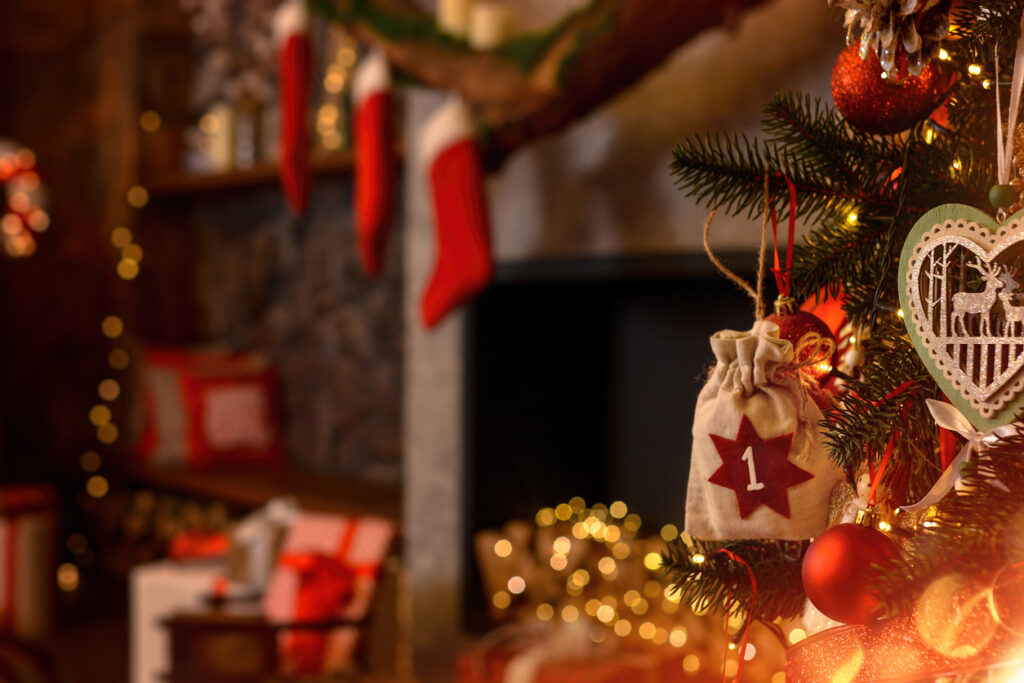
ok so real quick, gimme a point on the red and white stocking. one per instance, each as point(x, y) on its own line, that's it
point(449, 151)
point(291, 33)
point(375, 158)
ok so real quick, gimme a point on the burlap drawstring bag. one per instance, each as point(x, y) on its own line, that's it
point(758, 468)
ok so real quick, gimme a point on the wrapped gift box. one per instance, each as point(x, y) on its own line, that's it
point(327, 570)
point(159, 590)
point(28, 553)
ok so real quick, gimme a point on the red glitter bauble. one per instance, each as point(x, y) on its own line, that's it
point(794, 326)
point(884, 105)
point(837, 572)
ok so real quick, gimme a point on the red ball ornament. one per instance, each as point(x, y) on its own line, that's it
point(794, 326)
point(837, 571)
point(883, 106)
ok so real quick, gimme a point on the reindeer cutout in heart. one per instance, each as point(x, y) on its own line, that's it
point(962, 292)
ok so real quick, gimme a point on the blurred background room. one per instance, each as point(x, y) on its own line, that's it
point(279, 404)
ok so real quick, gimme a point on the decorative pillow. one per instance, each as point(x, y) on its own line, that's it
point(205, 408)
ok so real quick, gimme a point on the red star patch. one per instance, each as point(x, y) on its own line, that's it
point(757, 469)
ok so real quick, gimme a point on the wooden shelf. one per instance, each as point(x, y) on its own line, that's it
point(251, 488)
point(260, 175)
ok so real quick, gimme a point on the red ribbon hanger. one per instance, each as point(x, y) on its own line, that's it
point(750, 610)
point(783, 278)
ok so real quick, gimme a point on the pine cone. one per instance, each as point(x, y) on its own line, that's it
point(887, 27)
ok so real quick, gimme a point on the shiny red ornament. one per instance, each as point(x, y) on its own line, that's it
point(837, 572)
point(883, 106)
point(794, 326)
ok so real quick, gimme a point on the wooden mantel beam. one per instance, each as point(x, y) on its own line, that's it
point(536, 85)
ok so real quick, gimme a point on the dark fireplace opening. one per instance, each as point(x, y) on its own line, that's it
point(582, 379)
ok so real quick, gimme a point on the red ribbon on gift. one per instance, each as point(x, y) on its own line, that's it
point(326, 588)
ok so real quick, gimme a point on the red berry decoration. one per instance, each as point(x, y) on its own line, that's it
point(794, 326)
point(837, 571)
point(883, 106)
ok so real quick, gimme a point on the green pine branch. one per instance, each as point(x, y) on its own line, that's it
point(709, 580)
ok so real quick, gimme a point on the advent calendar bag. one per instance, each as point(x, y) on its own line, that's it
point(758, 468)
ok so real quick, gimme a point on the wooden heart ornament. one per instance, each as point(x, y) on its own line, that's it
point(962, 293)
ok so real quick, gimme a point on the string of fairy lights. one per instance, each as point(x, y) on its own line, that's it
point(101, 415)
point(331, 129)
point(600, 567)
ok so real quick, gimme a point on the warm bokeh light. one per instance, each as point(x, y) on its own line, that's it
point(137, 196)
point(67, 577)
point(97, 486)
point(112, 326)
point(501, 600)
point(109, 389)
point(107, 434)
point(545, 517)
point(90, 461)
point(77, 543)
point(691, 664)
point(669, 533)
point(121, 237)
point(618, 509)
point(503, 548)
point(652, 561)
point(570, 613)
point(545, 612)
point(149, 121)
point(677, 637)
point(99, 415)
point(562, 545)
point(118, 359)
point(516, 585)
point(127, 269)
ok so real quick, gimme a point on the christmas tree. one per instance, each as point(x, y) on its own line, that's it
point(915, 128)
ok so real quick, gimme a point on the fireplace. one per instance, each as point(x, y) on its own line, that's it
point(581, 378)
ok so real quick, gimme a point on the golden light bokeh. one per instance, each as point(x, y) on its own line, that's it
point(99, 415)
point(108, 389)
point(545, 517)
point(112, 327)
point(652, 561)
point(545, 612)
point(127, 269)
point(118, 359)
point(677, 637)
point(516, 585)
point(97, 486)
point(90, 461)
point(67, 577)
point(503, 547)
point(501, 600)
point(149, 121)
point(121, 237)
point(137, 196)
point(107, 434)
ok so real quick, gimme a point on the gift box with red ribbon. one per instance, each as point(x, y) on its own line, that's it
point(327, 571)
point(28, 554)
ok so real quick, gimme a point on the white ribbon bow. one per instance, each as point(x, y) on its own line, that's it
point(1004, 140)
point(950, 418)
